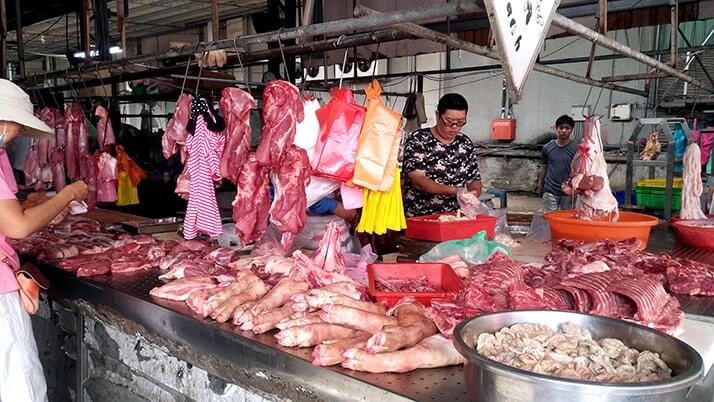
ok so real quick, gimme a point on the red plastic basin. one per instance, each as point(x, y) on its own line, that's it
point(629, 225)
point(693, 236)
point(428, 228)
point(437, 274)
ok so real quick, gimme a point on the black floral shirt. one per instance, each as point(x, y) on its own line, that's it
point(449, 164)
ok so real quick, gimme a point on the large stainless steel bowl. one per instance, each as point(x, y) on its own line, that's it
point(488, 380)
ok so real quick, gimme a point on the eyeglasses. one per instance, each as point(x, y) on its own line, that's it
point(453, 124)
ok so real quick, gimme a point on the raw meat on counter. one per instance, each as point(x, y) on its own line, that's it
point(181, 289)
point(589, 178)
point(329, 253)
point(330, 353)
point(432, 352)
point(419, 285)
point(413, 325)
point(692, 186)
point(236, 105)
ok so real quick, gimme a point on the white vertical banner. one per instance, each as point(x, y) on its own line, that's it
point(520, 27)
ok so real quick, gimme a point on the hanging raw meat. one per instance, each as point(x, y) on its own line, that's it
point(77, 137)
point(692, 184)
point(289, 210)
point(589, 179)
point(176, 128)
point(32, 169)
point(107, 178)
point(236, 105)
point(57, 165)
point(282, 110)
point(53, 164)
point(252, 202)
point(204, 144)
point(105, 132)
point(89, 175)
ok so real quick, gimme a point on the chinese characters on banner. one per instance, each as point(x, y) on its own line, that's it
point(520, 27)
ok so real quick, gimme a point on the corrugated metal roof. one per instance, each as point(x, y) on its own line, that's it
point(146, 18)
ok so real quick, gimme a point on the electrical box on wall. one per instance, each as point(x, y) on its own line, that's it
point(621, 112)
point(503, 129)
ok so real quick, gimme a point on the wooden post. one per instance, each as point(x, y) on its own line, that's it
point(215, 23)
point(84, 21)
point(20, 42)
point(3, 39)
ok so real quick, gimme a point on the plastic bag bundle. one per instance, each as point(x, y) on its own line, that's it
point(475, 250)
point(340, 124)
point(379, 140)
point(382, 211)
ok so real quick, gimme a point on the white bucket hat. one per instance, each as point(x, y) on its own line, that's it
point(15, 106)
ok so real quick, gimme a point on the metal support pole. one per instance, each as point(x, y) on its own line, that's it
point(382, 36)
point(336, 27)
point(635, 77)
point(455, 43)
point(121, 23)
point(84, 21)
point(215, 23)
point(586, 33)
point(673, 32)
point(696, 57)
point(20, 42)
point(3, 39)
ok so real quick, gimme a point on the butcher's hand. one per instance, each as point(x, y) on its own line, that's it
point(79, 190)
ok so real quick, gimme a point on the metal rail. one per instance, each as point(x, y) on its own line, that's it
point(337, 27)
point(426, 33)
point(601, 40)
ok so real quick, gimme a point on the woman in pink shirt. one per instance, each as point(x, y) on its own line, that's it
point(21, 376)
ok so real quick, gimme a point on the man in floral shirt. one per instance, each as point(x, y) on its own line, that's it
point(439, 161)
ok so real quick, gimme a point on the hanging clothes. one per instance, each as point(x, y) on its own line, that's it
point(205, 148)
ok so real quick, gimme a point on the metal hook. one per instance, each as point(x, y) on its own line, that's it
point(344, 63)
point(246, 78)
point(339, 40)
point(282, 53)
point(188, 65)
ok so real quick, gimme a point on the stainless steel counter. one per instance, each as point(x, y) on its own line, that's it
point(257, 355)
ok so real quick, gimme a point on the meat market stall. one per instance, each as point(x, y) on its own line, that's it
point(117, 328)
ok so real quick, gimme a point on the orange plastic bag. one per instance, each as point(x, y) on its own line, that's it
point(378, 146)
point(135, 172)
point(340, 124)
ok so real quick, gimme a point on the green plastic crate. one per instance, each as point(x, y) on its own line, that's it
point(653, 197)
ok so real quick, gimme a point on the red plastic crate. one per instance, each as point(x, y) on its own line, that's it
point(428, 228)
point(438, 275)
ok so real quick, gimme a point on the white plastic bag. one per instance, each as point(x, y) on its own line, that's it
point(319, 188)
point(539, 229)
point(308, 129)
point(229, 238)
point(470, 205)
point(314, 229)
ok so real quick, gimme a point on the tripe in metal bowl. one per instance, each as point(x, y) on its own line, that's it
point(489, 380)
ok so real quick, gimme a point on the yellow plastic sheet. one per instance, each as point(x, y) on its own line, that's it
point(382, 211)
point(378, 146)
point(127, 193)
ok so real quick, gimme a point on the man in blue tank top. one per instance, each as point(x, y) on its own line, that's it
point(555, 166)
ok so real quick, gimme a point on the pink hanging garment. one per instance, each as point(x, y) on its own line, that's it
point(6, 171)
point(105, 132)
point(107, 178)
point(205, 148)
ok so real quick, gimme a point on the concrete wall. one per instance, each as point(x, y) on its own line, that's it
point(119, 365)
